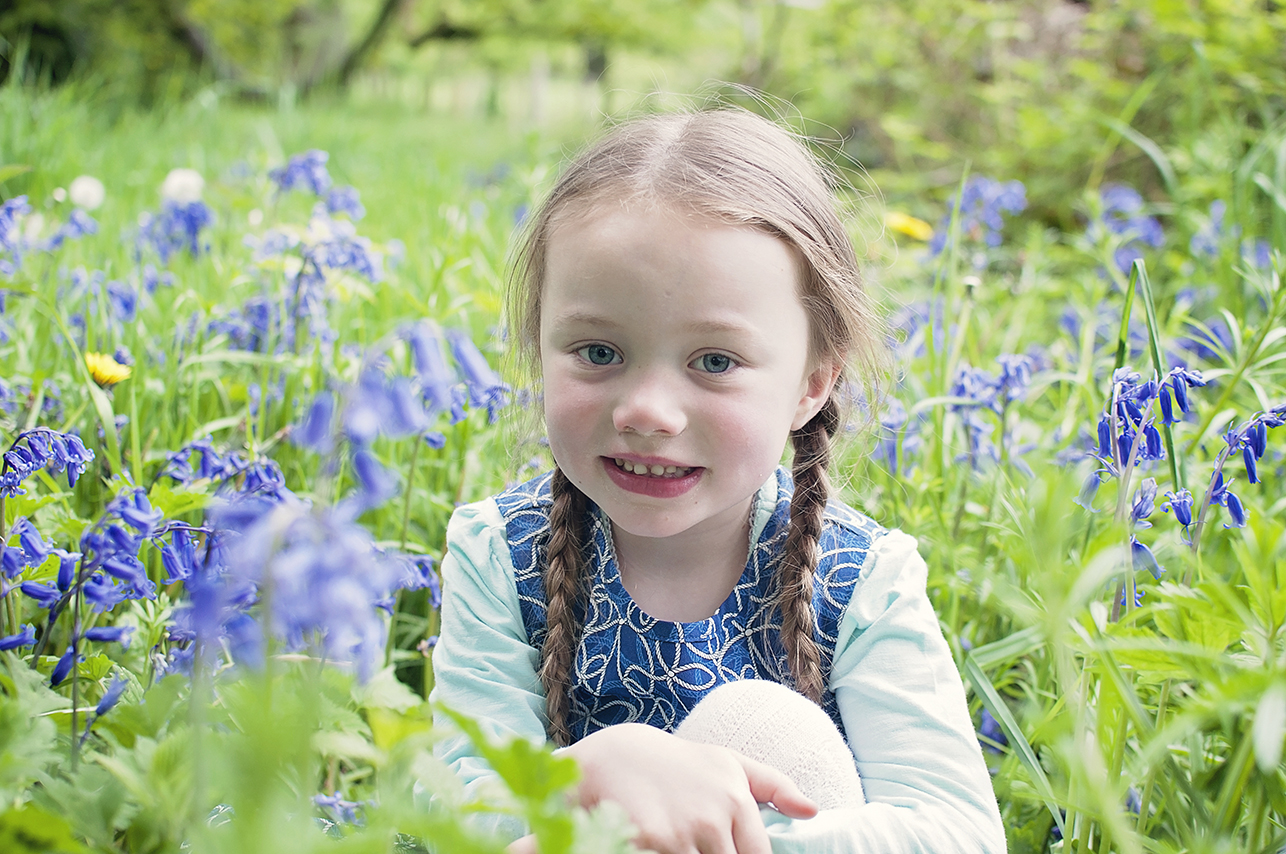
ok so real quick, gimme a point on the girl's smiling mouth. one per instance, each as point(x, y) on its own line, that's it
point(658, 480)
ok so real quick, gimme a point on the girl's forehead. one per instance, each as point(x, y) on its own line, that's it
point(660, 267)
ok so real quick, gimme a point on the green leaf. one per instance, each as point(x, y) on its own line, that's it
point(173, 500)
point(384, 691)
point(1148, 147)
point(13, 170)
point(30, 829)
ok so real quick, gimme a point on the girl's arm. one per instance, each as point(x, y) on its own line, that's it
point(907, 721)
point(482, 664)
point(676, 792)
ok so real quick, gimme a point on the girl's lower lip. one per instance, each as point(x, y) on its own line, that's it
point(656, 487)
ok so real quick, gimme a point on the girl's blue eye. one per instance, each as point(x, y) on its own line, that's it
point(713, 363)
point(599, 354)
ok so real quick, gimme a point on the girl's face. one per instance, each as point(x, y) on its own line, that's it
point(675, 355)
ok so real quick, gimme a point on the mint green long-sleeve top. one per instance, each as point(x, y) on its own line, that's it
point(898, 691)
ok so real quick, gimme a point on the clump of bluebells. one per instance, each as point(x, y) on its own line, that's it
point(42, 448)
point(1251, 440)
point(1123, 222)
point(19, 233)
point(977, 391)
point(979, 212)
point(1127, 437)
point(1210, 238)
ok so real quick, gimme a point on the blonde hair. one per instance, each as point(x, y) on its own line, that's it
point(735, 167)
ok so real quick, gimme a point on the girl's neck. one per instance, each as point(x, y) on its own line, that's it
point(686, 577)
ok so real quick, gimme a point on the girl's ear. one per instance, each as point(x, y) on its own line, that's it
point(817, 389)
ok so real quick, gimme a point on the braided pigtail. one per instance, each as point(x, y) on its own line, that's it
point(812, 447)
point(564, 572)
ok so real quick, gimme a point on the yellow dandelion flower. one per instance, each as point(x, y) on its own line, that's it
point(906, 224)
point(105, 370)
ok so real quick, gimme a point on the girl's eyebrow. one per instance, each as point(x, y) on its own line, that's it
point(702, 327)
point(585, 318)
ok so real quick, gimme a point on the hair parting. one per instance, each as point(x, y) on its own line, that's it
point(563, 579)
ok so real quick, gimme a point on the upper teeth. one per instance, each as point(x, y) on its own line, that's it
point(655, 470)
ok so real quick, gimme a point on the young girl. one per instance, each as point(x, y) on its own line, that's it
point(691, 302)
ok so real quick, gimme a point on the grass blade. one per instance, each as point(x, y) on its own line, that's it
point(1139, 271)
point(996, 705)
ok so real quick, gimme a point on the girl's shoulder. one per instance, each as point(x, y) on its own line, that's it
point(853, 523)
point(529, 495)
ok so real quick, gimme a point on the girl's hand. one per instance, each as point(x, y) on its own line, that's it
point(684, 797)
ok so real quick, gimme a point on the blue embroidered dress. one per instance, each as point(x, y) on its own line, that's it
point(633, 668)
point(891, 681)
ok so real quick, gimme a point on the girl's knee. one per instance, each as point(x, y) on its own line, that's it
point(772, 724)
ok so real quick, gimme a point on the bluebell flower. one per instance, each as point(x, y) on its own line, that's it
point(12, 560)
point(109, 634)
point(1181, 503)
point(420, 575)
point(133, 575)
point(179, 556)
point(435, 376)
point(993, 737)
point(979, 211)
point(485, 387)
point(324, 571)
point(272, 244)
point(315, 433)
point(1142, 558)
point(1089, 489)
point(78, 224)
point(33, 545)
point(1257, 253)
point(345, 251)
point(63, 667)
point(11, 245)
point(1123, 216)
point(340, 810)
point(45, 595)
point(376, 482)
point(136, 511)
point(306, 171)
point(101, 593)
point(1144, 503)
point(123, 299)
point(345, 200)
point(26, 636)
point(1205, 240)
point(111, 696)
point(176, 227)
point(66, 568)
point(380, 405)
point(152, 278)
point(40, 448)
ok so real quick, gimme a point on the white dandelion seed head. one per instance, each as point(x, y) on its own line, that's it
point(86, 191)
point(183, 186)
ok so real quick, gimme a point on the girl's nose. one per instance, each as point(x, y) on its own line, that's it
point(650, 406)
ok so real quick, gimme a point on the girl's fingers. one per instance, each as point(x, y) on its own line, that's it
point(768, 785)
point(748, 833)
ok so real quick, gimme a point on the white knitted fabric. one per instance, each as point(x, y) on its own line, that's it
point(772, 724)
